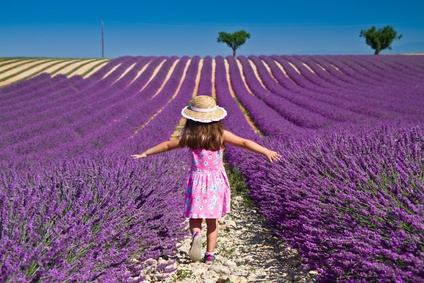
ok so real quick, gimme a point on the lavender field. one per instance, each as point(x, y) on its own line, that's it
point(348, 193)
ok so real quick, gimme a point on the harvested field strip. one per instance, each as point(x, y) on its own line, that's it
point(29, 72)
point(63, 64)
point(7, 63)
point(88, 68)
point(18, 69)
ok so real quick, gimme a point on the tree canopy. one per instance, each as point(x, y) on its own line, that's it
point(233, 40)
point(380, 39)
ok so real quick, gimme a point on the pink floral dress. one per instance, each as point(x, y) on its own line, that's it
point(208, 191)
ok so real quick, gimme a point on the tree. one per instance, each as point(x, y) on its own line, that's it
point(233, 40)
point(380, 39)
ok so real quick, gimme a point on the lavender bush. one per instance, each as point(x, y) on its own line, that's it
point(88, 219)
point(351, 203)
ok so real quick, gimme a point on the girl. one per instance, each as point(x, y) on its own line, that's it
point(208, 192)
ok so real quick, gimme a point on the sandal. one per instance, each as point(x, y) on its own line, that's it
point(209, 259)
point(195, 252)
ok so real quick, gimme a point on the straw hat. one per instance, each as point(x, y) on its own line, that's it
point(203, 108)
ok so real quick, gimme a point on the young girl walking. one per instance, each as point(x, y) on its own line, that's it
point(207, 193)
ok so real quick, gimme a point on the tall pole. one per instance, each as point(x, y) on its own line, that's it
point(103, 40)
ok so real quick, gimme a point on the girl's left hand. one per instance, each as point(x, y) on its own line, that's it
point(137, 156)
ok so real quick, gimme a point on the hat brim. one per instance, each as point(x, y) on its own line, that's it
point(204, 117)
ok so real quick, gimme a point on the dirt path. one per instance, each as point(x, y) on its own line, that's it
point(247, 251)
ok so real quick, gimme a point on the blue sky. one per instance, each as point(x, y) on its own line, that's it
point(73, 28)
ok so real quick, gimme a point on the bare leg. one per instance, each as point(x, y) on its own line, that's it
point(212, 234)
point(195, 225)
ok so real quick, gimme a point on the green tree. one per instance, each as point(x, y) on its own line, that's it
point(380, 39)
point(233, 40)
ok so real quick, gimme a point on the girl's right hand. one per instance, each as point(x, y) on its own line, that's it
point(273, 156)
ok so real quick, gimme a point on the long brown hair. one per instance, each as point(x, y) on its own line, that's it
point(202, 135)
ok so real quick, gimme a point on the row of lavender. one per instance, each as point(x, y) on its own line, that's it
point(86, 213)
point(350, 201)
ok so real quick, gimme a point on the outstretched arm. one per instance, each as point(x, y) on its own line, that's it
point(250, 145)
point(162, 147)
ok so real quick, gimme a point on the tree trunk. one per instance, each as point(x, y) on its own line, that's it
point(234, 53)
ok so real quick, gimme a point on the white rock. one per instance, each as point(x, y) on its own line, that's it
point(231, 224)
point(313, 272)
point(230, 264)
point(220, 269)
point(271, 261)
